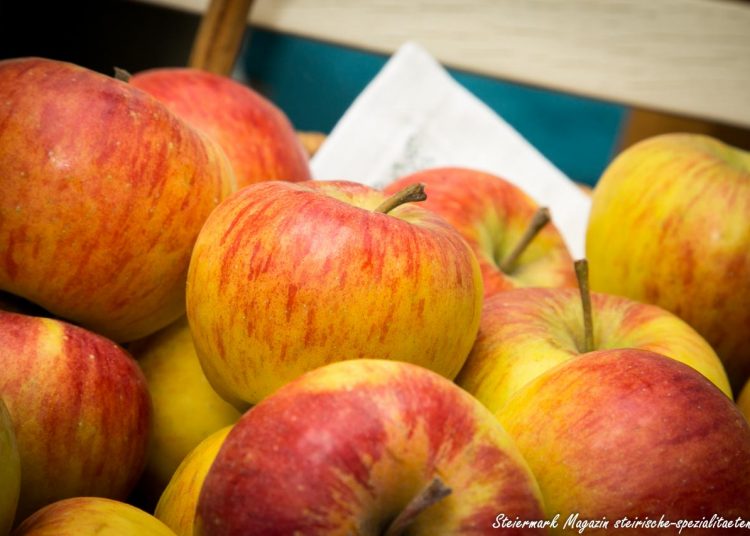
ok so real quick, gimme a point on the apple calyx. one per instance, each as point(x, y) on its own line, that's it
point(122, 75)
point(582, 274)
point(428, 496)
point(412, 193)
point(538, 221)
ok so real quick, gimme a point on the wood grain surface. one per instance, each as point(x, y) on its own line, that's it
point(689, 57)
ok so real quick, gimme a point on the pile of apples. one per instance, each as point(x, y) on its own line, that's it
point(198, 338)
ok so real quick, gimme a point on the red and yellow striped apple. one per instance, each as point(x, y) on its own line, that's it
point(525, 332)
point(669, 225)
point(177, 505)
point(186, 409)
point(501, 224)
point(256, 135)
point(10, 471)
point(629, 432)
point(80, 408)
point(286, 277)
point(348, 448)
point(91, 516)
point(103, 194)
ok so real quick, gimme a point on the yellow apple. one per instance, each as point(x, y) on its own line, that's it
point(178, 503)
point(670, 225)
point(10, 471)
point(186, 408)
point(287, 277)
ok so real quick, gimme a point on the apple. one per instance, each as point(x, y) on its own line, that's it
point(186, 409)
point(631, 433)
point(80, 409)
point(669, 225)
point(103, 194)
point(311, 141)
point(513, 240)
point(360, 447)
point(256, 135)
point(525, 332)
point(287, 277)
point(10, 471)
point(177, 506)
point(91, 516)
point(743, 400)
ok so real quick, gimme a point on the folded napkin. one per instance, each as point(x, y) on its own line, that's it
point(414, 115)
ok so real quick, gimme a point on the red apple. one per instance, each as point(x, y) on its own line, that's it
point(256, 135)
point(80, 407)
point(346, 448)
point(103, 194)
point(493, 215)
point(631, 433)
point(670, 225)
point(527, 331)
point(286, 277)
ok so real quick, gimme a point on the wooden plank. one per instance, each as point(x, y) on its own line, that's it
point(687, 57)
point(219, 37)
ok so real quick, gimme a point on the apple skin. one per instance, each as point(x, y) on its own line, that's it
point(10, 471)
point(342, 449)
point(104, 192)
point(186, 409)
point(632, 433)
point(525, 332)
point(669, 226)
point(256, 136)
point(286, 277)
point(91, 516)
point(177, 505)
point(491, 214)
point(80, 408)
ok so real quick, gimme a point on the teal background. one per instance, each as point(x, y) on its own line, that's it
point(314, 83)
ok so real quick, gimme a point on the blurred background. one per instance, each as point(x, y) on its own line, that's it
point(314, 82)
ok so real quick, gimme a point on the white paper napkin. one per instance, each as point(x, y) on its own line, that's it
point(414, 115)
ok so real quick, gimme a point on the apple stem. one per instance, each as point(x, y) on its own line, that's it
point(428, 496)
point(538, 221)
point(582, 274)
point(413, 192)
point(122, 75)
